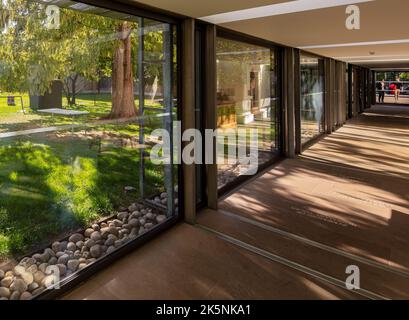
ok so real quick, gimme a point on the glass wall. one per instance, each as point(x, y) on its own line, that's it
point(82, 90)
point(247, 98)
point(312, 97)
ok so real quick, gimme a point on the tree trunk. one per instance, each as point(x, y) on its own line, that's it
point(123, 100)
point(74, 90)
point(99, 85)
point(67, 90)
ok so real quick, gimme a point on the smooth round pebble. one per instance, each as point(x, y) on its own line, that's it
point(56, 246)
point(110, 249)
point(62, 268)
point(15, 295)
point(6, 282)
point(73, 265)
point(19, 285)
point(96, 236)
point(88, 232)
point(76, 237)
point(95, 251)
point(39, 276)
point(26, 296)
point(33, 286)
point(160, 218)
point(63, 259)
point(71, 246)
point(5, 292)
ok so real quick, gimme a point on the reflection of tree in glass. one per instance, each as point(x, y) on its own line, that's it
point(85, 46)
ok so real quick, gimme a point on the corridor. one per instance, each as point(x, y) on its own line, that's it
point(292, 232)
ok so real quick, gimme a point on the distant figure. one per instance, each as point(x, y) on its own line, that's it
point(381, 91)
point(398, 89)
point(392, 88)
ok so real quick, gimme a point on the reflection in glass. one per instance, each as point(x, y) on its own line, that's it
point(79, 100)
point(246, 97)
point(312, 97)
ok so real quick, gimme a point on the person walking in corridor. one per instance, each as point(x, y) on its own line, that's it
point(398, 89)
point(381, 91)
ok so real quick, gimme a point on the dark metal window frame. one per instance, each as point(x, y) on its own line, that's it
point(74, 280)
point(200, 44)
point(136, 9)
point(279, 154)
point(304, 146)
point(350, 91)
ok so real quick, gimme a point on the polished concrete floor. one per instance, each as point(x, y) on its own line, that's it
point(292, 232)
point(403, 99)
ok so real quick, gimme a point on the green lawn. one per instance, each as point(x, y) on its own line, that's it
point(52, 183)
point(13, 119)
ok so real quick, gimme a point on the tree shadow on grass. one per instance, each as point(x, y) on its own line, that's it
point(50, 187)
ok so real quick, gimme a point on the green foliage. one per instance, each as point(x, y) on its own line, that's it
point(50, 184)
point(391, 76)
point(48, 188)
point(404, 76)
point(4, 241)
point(33, 55)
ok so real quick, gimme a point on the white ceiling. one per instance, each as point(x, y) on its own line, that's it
point(384, 24)
point(201, 8)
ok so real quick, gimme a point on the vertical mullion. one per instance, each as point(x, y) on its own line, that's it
point(290, 120)
point(211, 111)
point(328, 95)
point(168, 120)
point(189, 116)
point(141, 49)
point(273, 117)
point(297, 101)
point(350, 91)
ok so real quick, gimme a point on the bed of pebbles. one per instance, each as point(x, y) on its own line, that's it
point(33, 274)
point(227, 173)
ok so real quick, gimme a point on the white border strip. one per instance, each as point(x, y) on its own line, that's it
point(379, 60)
point(278, 9)
point(392, 56)
point(356, 44)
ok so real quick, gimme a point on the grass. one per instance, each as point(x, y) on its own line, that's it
point(52, 183)
point(13, 119)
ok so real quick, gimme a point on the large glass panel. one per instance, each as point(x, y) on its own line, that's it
point(246, 98)
point(312, 97)
point(82, 90)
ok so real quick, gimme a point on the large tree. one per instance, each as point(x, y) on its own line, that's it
point(123, 97)
point(33, 56)
point(84, 46)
